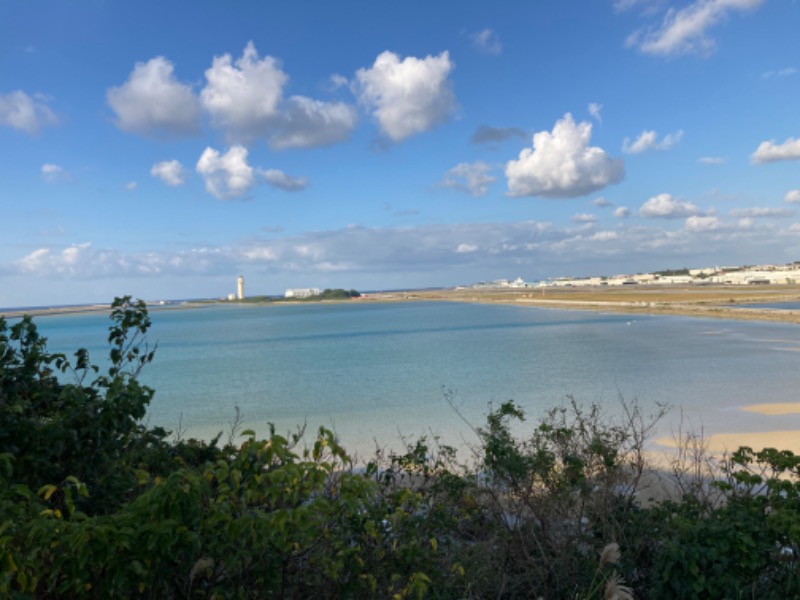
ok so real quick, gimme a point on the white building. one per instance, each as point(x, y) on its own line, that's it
point(302, 292)
point(240, 288)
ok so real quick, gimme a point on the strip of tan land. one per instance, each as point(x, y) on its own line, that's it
point(718, 302)
point(720, 443)
point(775, 409)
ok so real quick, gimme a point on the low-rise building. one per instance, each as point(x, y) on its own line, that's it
point(302, 292)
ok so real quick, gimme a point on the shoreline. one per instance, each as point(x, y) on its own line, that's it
point(715, 302)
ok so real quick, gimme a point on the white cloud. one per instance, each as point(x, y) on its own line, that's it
point(699, 224)
point(605, 236)
point(170, 172)
point(281, 180)
point(665, 206)
point(761, 212)
point(417, 255)
point(153, 102)
point(228, 175)
point(648, 140)
point(623, 212)
point(21, 111)
point(304, 123)
point(684, 31)
point(42, 260)
point(792, 197)
point(562, 164)
point(594, 111)
point(131, 185)
point(245, 100)
point(339, 81)
point(53, 173)
point(242, 97)
point(469, 177)
point(409, 96)
point(486, 41)
point(583, 218)
point(711, 160)
point(771, 152)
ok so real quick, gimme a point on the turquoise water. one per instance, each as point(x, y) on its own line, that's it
point(381, 371)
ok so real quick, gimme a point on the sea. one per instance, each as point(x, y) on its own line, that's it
point(381, 375)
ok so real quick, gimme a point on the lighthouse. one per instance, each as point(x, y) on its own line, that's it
point(240, 288)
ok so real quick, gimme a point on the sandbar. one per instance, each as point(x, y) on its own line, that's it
point(777, 408)
point(757, 440)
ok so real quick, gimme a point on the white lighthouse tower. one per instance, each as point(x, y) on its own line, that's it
point(240, 288)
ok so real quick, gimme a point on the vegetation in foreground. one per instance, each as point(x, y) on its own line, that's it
point(93, 504)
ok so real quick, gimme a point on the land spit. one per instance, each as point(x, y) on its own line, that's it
point(718, 302)
point(709, 301)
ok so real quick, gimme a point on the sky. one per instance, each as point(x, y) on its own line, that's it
point(160, 149)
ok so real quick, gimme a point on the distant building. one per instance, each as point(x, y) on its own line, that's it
point(240, 288)
point(302, 292)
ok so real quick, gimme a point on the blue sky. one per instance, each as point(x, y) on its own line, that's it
point(161, 149)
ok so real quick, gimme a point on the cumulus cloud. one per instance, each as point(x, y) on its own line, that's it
point(228, 175)
point(771, 152)
point(703, 223)
point(761, 212)
point(486, 41)
point(27, 113)
point(153, 102)
point(242, 96)
point(42, 260)
point(711, 160)
point(489, 135)
point(665, 206)
point(305, 123)
point(131, 185)
point(170, 172)
point(53, 173)
point(473, 178)
point(245, 99)
point(281, 180)
point(685, 30)
point(407, 96)
point(622, 212)
point(594, 111)
point(466, 248)
point(562, 164)
point(792, 197)
point(583, 218)
point(648, 140)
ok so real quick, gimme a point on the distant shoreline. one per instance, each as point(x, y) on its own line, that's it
point(716, 302)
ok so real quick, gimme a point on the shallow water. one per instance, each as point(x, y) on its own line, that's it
point(379, 371)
